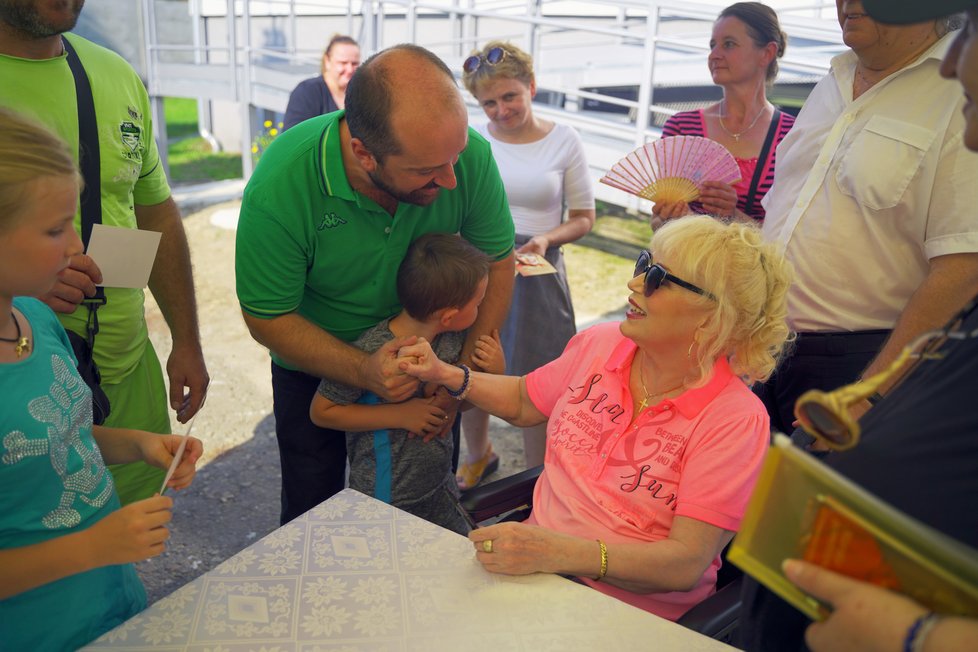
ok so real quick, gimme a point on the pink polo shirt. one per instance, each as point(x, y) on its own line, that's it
point(696, 455)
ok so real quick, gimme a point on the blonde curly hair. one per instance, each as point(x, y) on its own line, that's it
point(747, 322)
point(515, 64)
point(28, 151)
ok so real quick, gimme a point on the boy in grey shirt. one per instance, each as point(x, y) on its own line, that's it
point(393, 454)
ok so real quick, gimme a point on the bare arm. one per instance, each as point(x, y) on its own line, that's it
point(172, 285)
point(133, 533)
point(124, 445)
point(416, 415)
point(951, 282)
point(673, 564)
point(308, 347)
point(579, 223)
point(502, 396)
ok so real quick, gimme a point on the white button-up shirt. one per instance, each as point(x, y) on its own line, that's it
point(867, 191)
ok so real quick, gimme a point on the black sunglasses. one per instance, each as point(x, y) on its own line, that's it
point(655, 274)
point(492, 57)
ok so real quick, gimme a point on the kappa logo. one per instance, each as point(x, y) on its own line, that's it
point(330, 221)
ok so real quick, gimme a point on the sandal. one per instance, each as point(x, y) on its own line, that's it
point(471, 474)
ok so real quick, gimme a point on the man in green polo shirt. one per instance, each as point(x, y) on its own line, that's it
point(326, 220)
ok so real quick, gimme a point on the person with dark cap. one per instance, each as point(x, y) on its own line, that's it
point(918, 452)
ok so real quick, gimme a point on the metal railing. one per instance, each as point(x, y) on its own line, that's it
point(643, 34)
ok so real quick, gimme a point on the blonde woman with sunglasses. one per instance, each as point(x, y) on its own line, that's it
point(654, 439)
point(549, 189)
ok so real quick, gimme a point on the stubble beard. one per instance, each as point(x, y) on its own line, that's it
point(23, 16)
point(414, 197)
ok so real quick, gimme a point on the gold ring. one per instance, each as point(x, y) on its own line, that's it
point(487, 545)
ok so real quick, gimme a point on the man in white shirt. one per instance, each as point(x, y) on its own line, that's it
point(874, 204)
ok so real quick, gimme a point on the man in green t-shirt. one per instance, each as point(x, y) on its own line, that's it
point(35, 81)
point(325, 221)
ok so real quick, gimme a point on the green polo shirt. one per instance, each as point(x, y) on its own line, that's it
point(308, 243)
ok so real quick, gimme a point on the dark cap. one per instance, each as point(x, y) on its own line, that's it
point(914, 11)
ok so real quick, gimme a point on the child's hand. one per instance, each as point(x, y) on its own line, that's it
point(133, 533)
point(421, 417)
point(158, 450)
point(488, 353)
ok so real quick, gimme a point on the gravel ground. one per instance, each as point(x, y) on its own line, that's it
point(235, 497)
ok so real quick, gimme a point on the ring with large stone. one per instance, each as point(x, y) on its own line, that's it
point(445, 418)
point(487, 545)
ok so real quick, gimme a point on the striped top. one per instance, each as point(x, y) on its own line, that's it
point(692, 123)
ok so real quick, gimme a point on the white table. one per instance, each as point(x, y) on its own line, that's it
point(355, 574)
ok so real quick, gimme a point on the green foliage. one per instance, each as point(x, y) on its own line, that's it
point(193, 161)
point(191, 158)
point(181, 117)
point(600, 264)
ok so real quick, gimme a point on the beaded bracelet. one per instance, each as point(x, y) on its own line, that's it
point(917, 634)
point(463, 391)
point(604, 561)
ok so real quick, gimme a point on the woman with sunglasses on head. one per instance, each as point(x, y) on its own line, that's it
point(544, 170)
point(325, 92)
point(745, 46)
point(654, 439)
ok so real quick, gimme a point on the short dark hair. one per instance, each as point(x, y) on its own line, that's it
point(763, 26)
point(440, 270)
point(370, 101)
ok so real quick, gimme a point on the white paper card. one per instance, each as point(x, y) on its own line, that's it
point(125, 256)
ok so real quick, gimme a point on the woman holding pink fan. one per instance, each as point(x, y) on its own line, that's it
point(746, 44)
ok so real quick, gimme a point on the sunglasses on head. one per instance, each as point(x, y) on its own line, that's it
point(655, 274)
point(492, 57)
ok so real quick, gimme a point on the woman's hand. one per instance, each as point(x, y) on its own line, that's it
point(718, 198)
point(420, 361)
point(132, 533)
point(521, 549)
point(158, 451)
point(488, 353)
point(665, 211)
point(864, 616)
point(536, 245)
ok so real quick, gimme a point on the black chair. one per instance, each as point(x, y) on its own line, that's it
point(511, 498)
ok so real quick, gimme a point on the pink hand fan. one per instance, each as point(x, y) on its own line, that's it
point(670, 170)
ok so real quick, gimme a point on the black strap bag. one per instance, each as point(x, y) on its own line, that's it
point(91, 212)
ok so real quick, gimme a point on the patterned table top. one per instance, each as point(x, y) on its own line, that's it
point(355, 574)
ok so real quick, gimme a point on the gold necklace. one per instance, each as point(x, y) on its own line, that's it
point(23, 345)
point(641, 377)
point(736, 137)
